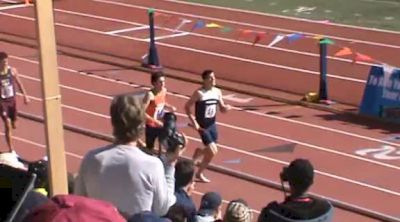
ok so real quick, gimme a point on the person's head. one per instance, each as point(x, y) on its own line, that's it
point(63, 208)
point(211, 204)
point(184, 174)
point(178, 213)
point(158, 80)
point(238, 211)
point(300, 176)
point(127, 118)
point(3, 60)
point(208, 77)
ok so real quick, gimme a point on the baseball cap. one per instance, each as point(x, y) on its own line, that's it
point(65, 208)
point(147, 216)
point(301, 171)
point(210, 203)
point(238, 211)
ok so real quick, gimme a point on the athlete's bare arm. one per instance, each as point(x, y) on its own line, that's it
point(21, 87)
point(188, 109)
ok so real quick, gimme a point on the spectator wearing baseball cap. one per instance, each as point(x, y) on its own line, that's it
point(298, 205)
point(210, 207)
point(66, 208)
point(238, 211)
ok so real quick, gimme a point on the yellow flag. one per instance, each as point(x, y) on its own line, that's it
point(213, 25)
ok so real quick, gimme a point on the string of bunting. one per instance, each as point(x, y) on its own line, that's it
point(257, 36)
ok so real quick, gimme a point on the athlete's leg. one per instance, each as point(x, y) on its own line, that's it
point(198, 155)
point(209, 153)
point(12, 114)
point(209, 137)
point(7, 128)
point(151, 135)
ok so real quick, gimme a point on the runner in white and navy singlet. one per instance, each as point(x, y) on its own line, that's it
point(205, 112)
point(207, 101)
point(8, 106)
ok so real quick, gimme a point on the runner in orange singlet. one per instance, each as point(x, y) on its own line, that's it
point(155, 103)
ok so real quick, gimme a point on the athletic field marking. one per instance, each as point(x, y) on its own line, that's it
point(168, 36)
point(12, 7)
point(242, 151)
point(127, 30)
point(384, 152)
point(247, 111)
point(252, 112)
point(213, 37)
point(248, 24)
point(203, 52)
point(239, 128)
point(281, 16)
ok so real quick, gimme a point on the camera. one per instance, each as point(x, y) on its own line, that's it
point(284, 174)
point(170, 138)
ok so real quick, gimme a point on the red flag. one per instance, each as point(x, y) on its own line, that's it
point(258, 37)
point(361, 57)
point(244, 32)
point(344, 51)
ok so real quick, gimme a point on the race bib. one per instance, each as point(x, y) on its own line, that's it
point(7, 91)
point(210, 111)
point(159, 112)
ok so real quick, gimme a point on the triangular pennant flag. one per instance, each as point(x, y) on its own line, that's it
point(295, 36)
point(277, 39)
point(326, 41)
point(213, 25)
point(361, 57)
point(198, 25)
point(183, 22)
point(226, 29)
point(244, 32)
point(344, 52)
point(317, 37)
point(258, 37)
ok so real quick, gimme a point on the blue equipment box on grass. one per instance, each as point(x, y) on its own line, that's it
point(382, 93)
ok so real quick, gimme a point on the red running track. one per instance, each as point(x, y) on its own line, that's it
point(286, 126)
point(287, 131)
point(288, 67)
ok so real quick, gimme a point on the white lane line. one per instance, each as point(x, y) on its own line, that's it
point(168, 36)
point(203, 52)
point(13, 7)
point(242, 151)
point(247, 24)
point(247, 111)
point(242, 129)
point(127, 30)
